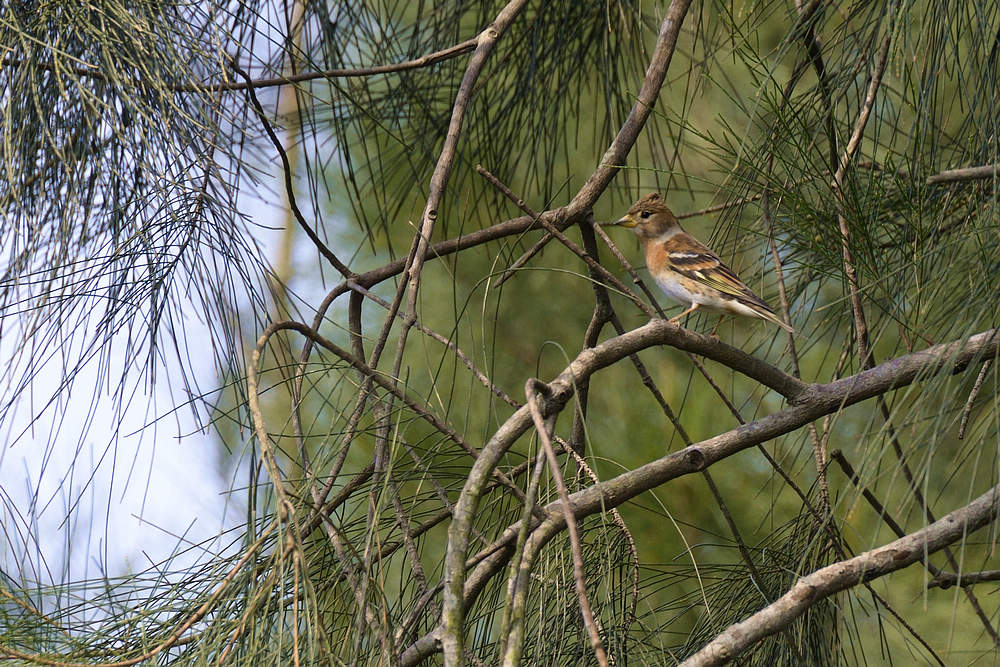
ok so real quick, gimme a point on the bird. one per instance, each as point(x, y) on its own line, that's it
point(686, 269)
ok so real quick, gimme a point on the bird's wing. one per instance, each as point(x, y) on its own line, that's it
point(694, 260)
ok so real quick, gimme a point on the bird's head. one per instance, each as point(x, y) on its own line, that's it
point(649, 217)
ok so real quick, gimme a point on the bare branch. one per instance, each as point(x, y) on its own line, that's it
point(817, 400)
point(860, 324)
point(591, 263)
point(656, 72)
point(427, 60)
point(841, 576)
point(976, 387)
point(378, 378)
point(965, 174)
point(289, 187)
point(417, 63)
point(948, 579)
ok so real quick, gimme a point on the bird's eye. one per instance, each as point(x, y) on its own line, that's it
point(644, 214)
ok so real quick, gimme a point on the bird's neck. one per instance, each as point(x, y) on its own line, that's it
point(660, 236)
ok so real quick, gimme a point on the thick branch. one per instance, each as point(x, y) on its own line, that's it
point(841, 576)
point(817, 401)
point(814, 402)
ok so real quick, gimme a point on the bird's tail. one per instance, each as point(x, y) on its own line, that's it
point(771, 316)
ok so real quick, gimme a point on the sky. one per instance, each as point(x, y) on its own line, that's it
point(87, 493)
point(77, 502)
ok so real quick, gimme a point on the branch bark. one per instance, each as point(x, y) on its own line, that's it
point(965, 174)
point(841, 576)
point(948, 579)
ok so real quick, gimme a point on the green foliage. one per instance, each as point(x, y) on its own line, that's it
point(124, 163)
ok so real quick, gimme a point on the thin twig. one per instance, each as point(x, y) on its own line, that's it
point(573, 247)
point(944, 177)
point(485, 42)
point(866, 359)
point(453, 642)
point(518, 581)
point(525, 257)
point(814, 51)
point(818, 444)
point(617, 518)
point(289, 187)
point(946, 580)
point(967, 410)
point(620, 147)
point(860, 325)
point(93, 72)
point(876, 504)
point(388, 385)
point(462, 356)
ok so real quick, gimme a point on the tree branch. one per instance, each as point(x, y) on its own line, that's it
point(841, 576)
point(946, 580)
point(532, 389)
point(289, 187)
point(230, 86)
point(965, 174)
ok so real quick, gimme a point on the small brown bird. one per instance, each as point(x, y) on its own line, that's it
point(686, 269)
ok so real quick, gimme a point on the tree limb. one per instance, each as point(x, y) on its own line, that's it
point(840, 576)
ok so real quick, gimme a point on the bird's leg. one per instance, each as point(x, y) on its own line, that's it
point(716, 328)
point(674, 319)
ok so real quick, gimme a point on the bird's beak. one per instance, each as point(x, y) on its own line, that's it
point(627, 221)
